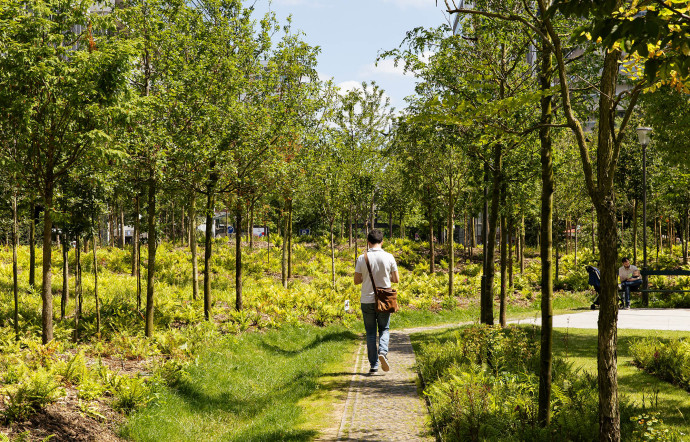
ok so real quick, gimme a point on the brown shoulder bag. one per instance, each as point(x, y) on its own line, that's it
point(386, 299)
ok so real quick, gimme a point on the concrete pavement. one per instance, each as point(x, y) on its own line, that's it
point(637, 318)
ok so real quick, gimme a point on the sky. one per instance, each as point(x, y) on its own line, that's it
point(351, 33)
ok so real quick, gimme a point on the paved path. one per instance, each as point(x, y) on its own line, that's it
point(385, 406)
point(637, 318)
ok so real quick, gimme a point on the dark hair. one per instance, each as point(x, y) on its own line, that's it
point(375, 237)
point(624, 260)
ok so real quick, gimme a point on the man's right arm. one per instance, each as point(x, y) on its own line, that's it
point(395, 277)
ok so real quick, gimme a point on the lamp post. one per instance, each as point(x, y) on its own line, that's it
point(643, 136)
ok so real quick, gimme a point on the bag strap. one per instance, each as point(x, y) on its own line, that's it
point(366, 259)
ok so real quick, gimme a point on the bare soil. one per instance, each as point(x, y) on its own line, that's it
point(66, 420)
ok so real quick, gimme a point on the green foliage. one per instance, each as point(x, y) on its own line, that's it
point(650, 427)
point(36, 390)
point(130, 393)
point(669, 360)
point(483, 384)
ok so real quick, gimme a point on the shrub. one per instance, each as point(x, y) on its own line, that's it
point(130, 393)
point(32, 394)
point(669, 361)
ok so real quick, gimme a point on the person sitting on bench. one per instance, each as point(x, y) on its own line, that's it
point(630, 279)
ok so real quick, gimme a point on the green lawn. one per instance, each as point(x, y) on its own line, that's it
point(579, 346)
point(253, 387)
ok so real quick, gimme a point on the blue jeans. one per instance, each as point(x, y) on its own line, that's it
point(372, 321)
point(627, 285)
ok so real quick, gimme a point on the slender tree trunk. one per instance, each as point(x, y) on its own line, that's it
point(635, 231)
point(432, 249)
point(122, 227)
point(685, 236)
point(486, 302)
point(504, 267)
point(284, 256)
point(546, 238)
point(390, 224)
point(522, 245)
point(594, 220)
point(511, 231)
point(349, 227)
point(15, 282)
point(251, 227)
point(238, 258)
point(95, 288)
point(451, 244)
point(332, 253)
point(135, 238)
point(576, 240)
point(152, 246)
point(208, 249)
point(193, 245)
point(32, 245)
point(77, 289)
point(47, 291)
point(487, 315)
point(65, 278)
point(111, 227)
point(289, 237)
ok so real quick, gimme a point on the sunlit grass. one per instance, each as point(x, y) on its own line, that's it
point(256, 386)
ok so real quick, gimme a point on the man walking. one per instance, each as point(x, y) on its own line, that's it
point(385, 270)
point(630, 278)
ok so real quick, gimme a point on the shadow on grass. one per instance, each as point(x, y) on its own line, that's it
point(341, 336)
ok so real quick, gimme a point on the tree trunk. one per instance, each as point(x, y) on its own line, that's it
point(522, 245)
point(77, 289)
point(65, 278)
point(15, 282)
point(208, 246)
point(122, 227)
point(504, 267)
point(251, 227)
point(135, 237)
point(594, 219)
point(284, 256)
point(451, 244)
point(576, 238)
point(511, 231)
point(487, 315)
point(152, 245)
point(349, 227)
point(46, 290)
point(545, 240)
point(238, 258)
point(685, 236)
point(332, 254)
point(289, 237)
point(635, 231)
point(193, 245)
point(32, 245)
point(432, 250)
point(390, 224)
point(95, 289)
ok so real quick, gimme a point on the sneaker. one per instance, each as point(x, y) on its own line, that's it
point(384, 363)
point(373, 370)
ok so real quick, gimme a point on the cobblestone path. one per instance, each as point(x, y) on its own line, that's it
point(385, 406)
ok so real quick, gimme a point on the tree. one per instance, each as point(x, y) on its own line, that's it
point(65, 96)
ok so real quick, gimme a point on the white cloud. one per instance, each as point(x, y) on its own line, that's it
point(347, 86)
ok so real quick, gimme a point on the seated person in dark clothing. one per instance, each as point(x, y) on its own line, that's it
point(630, 279)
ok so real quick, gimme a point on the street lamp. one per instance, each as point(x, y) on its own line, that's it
point(643, 135)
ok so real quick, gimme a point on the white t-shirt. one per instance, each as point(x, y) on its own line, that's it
point(382, 265)
point(626, 273)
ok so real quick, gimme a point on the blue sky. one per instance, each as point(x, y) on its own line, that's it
point(352, 32)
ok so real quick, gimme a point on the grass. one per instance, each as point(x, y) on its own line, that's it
point(579, 347)
point(252, 387)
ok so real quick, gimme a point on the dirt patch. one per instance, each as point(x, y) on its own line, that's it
point(67, 420)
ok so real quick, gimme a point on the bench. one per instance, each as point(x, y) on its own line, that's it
point(646, 273)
